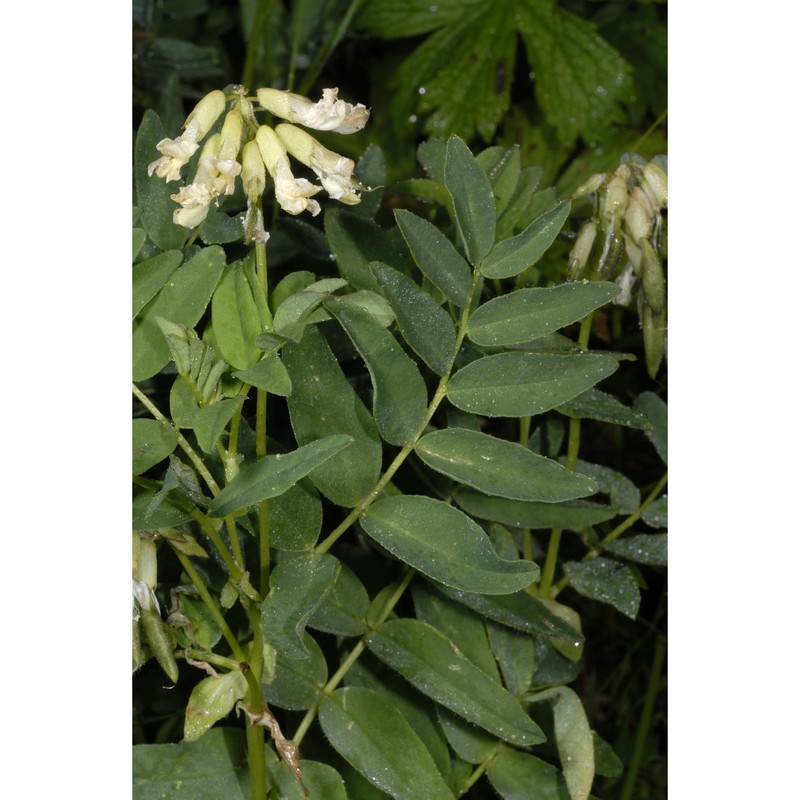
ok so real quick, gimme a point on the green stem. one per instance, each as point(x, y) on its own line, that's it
point(438, 396)
point(351, 659)
point(643, 138)
point(210, 604)
point(644, 722)
point(182, 443)
point(476, 774)
point(248, 71)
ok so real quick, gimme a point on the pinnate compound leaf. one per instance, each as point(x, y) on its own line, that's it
point(498, 467)
point(211, 700)
point(374, 737)
point(435, 666)
point(511, 256)
point(272, 475)
point(297, 588)
point(473, 201)
point(526, 314)
point(436, 256)
point(573, 740)
point(400, 397)
point(520, 776)
point(214, 766)
point(443, 543)
point(153, 441)
point(607, 581)
point(523, 384)
point(182, 300)
point(323, 403)
point(427, 328)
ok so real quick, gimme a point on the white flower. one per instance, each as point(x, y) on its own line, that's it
point(177, 152)
point(293, 194)
point(226, 164)
point(625, 281)
point(334, 171)
point(329, 114)
point(195, 199)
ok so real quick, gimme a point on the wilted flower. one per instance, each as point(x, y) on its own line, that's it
point(335, 172)
point(177, 152)
point(329, 114)
point(293, 194)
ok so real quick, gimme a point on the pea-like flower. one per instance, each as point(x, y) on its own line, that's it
point(177, 152)
point(328, 114)
point(335, 172)
point(293, 194)
point(195, 199)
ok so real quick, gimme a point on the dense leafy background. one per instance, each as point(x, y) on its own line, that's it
point(574, 84)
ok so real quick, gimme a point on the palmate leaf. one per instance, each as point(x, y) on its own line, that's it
point(464, 68)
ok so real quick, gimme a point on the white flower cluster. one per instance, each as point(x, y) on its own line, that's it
point(263, 149)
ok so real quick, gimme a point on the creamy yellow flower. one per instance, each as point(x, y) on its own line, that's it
point(195, 199)
point(293, 194)
point(328, 114)
point(334, 171)
point(177, 152)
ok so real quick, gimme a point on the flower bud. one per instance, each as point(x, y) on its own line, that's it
point(639, 215)
point(579, 254)
point(254, 176)
point(656, 179)
point(329, 114)
point(159, 637)
point(226, 163)
point(205, 114)
point(653, 281)
point(654, 336)
point(334, 171)
point(590, 186)
point(625, 280)
point(211, 700)
point(615, 200)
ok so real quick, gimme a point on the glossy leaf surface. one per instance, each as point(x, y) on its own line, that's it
point(444, 544)
point(498, 467)
point(430, 661)
point(523, 384)
point(272, 475)
point(375, 738)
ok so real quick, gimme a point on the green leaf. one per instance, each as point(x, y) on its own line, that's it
point(295, 518)
point(219, 228)
point(526, 314)
point(655, 515)
point(511, 256)
point(645, 548)
point(606, 761)
point(463, 628)
point(356, 241)
point(139, 237)
point(209, 422)
point(150, 276)
point(373, 736)
point(580, 79)
point(211, 700)
point(655, 409)
point(153, 441)
point(622, 491)
point(344, 610)
point(371, 171)
point(572, 515)
point(297, 588)
point(321, 780)
point(424, 325)
point(269, 374)
point(498, 467)
point(436, 256)
point(607, 581)
point(323, 403)
point(430, 662)
point(388, 20)
point(444, 544)
point(573, 740)
point(520, 203)
point(502, 167)
point(516, 655)
point(211, 768)
point(520, 776)
point(181, 301)
point(153, 193)
point(523, 384)
point(594, 404)
point(272, 475)
point(520, 611)
point(297, 682)
point(469, 742)
point(400, 396)
point(473, 201)
point(235, 317)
